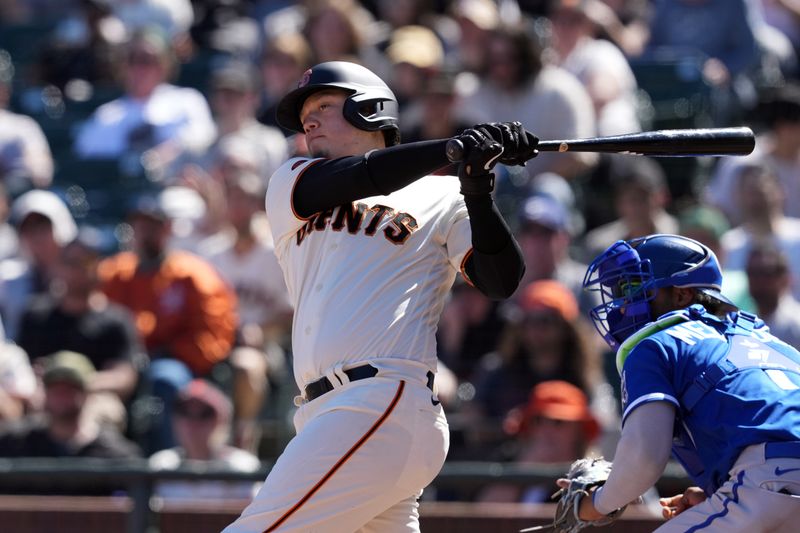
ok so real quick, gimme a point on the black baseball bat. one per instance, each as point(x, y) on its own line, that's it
point(660, 143)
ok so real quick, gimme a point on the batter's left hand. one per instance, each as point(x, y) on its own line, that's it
point(481, 153)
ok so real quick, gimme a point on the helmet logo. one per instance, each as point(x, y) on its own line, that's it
point(305, 79)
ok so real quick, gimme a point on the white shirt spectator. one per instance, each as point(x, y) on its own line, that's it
point(178, 114)
point(24, 152)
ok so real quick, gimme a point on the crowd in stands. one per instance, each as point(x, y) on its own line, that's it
point(145, 313)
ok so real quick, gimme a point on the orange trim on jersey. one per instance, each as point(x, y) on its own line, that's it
point(364, 438)
point(464, 268)
point(291, 197)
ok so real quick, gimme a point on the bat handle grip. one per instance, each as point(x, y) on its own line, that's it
point(454, 150)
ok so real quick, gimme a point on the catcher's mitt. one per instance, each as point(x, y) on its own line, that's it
point(583, 475)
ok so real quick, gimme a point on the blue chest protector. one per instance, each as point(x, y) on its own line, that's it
point(748, 396)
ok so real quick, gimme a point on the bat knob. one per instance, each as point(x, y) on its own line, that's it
point(454, 150)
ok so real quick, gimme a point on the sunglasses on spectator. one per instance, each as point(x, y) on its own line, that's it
point(191, 413)
point(545, 318)
point(143, 59)
point(766, 271)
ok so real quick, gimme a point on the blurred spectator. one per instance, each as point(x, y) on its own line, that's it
point(544, 235)
point(399, 13)
point(599, 65)
point(770, 282)
point(777, 146)
point(641, 196)
point(62, 430)
point(202, 426)
point(440, 115)
point(623, 22)
point(549, 101)
point(759, 197)
point(245, 258)
point(286, 56)
point(707, 225)
point(340, 30)
point(83, 46)
point(545, 340)
point(722, 32)
point(25, 158)
point(76, 316)
point(153, 116)
point(9, 241)
point(44, 225)
point(234, 100)
point(415, 54)
point(784, 16)
point(17, 381)
point(469, 327)
point(554, 426)
point(476, 19)
point(173, 18)
point(183, 310)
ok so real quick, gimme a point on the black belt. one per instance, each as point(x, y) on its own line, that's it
point(315, 389)
point(782, 449)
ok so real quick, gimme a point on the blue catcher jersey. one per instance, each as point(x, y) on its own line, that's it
point(732, 383)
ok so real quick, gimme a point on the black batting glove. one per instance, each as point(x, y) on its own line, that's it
point(481, 153)
point(518, 145)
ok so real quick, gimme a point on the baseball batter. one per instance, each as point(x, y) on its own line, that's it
point(699, 378)
point(370, 244)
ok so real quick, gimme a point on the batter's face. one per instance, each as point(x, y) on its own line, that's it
point(328, 134)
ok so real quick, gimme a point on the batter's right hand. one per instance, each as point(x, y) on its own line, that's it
point(518, 145)
point(481, 153)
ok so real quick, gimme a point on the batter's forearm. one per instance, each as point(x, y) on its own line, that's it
point(339, 181)
point(496, 265)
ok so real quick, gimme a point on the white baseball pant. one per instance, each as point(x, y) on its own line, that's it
point(760, 496)
point(361, 457)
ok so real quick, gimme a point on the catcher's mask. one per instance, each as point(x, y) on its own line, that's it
point(629, 273)
point(370, 105)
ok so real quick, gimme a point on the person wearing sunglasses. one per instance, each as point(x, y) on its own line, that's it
point(202, 426)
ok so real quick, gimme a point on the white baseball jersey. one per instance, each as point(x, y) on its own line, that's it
point(257, 279)
point(407, 247)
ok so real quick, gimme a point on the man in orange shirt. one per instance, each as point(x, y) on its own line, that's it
point(184, 311)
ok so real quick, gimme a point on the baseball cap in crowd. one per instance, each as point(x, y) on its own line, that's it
point(640, 172)
point(702, 219)
point(203, 392)
point(550, 295)
point(544, 210)
point(415, 45)
point(560, 400)
point(553, 400)
point(50, 206)
point(148, 205)
point(483, 13)
point(237, 76)
point(69, 367)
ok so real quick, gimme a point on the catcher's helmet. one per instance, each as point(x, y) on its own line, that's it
point(371, 105)
point(628, 274)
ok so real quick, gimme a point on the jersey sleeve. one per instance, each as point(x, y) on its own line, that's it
point(458, 236)
point(646, 377)
point(284, 221)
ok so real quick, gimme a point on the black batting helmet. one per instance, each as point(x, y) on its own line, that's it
point(371, 105)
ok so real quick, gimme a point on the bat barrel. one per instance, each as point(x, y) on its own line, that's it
point(663, 143)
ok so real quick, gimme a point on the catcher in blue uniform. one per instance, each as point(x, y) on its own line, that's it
point(701, 380)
